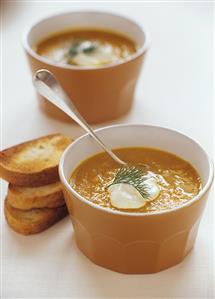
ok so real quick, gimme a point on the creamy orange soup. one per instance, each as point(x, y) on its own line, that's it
point(178, 180)
point(86, 47)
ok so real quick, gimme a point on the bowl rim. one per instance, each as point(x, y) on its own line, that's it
point(122, 213)
point(143, 49)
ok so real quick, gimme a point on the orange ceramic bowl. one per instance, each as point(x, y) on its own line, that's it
point(135, 242)
point(100, 94)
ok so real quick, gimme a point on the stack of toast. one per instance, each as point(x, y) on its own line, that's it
point(35, 199)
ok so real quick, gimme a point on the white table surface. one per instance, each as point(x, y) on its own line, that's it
point(175, 90)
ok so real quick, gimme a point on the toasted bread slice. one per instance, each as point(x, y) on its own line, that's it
point(33, 163)
point(32, 221)
point(27, 198)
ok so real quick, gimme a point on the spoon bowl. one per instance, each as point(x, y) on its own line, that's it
point(48, 86)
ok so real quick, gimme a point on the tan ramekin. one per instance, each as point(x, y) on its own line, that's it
point(100, 94)
point(135, 242)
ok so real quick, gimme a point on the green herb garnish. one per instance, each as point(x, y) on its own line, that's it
point(83, 46)
point(134, 176)
point(73, 51)
point(89, 49)
point(74, 48)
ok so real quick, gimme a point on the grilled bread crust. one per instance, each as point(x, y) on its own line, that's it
point(27, 198)
point(33, 163)
point(32, 221)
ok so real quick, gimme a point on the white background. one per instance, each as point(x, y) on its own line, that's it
point(175, 90)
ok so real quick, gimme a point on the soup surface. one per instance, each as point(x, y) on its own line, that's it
point(178, 180)
point(92, 48)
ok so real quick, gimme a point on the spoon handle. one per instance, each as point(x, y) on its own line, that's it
point(48, 86)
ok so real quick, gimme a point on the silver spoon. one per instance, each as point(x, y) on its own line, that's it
point(48, 86)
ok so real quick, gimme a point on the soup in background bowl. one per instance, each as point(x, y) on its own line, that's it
point(136, 241)
point(100, 93)
point(92, 48)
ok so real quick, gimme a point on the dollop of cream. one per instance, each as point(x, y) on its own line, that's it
point(153, 188)
point(125, 196)
point(102, 55)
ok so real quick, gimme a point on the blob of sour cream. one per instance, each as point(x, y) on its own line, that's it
point(102, 55)
point(125, 196)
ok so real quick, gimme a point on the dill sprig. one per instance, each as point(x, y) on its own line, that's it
point(134, 176)
point(84, 46)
